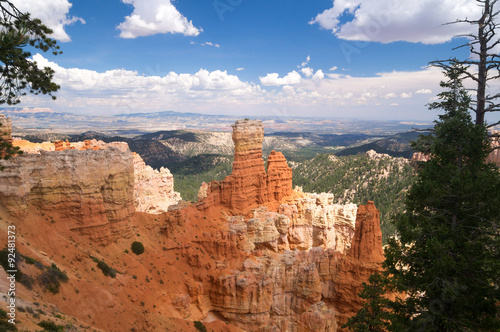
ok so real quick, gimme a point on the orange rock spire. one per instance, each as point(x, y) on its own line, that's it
point(367, 240)
point(249, 185)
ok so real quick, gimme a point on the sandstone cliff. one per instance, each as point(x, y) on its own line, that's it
point(91, 190)
point(255, 283)
point(153, 189)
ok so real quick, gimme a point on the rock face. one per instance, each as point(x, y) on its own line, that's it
point(316, 222)
point(259, 285)
point(367, 241)
point(153, 189)
point(249, 185)
point(91, 190)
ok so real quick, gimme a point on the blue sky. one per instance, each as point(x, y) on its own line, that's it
point(346, 59)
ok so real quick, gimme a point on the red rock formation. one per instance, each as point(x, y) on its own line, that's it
point(367, 241)
point(91, 190)
point(279, 177)
point(153, 189)
point(249, 185)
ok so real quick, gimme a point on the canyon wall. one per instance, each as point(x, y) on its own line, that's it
point(304, 258)
point(153, 189)
point(91, 190)
point(252, 252)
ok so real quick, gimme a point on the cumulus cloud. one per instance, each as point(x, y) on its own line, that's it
point(52, 13)
point(151, 17)
point(105, 91)
point(387, 21)
point(273, 79)
point(334, 68)
point(307, 71)
point(319, 75)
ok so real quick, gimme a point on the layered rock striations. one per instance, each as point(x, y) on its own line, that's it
point(153, 189)
point(309, 221)
point(91, 190)
point(249, 185)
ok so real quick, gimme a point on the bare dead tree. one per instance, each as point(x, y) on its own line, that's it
point(484, 62)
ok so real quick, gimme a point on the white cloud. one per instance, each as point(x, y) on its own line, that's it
point(155, 16)
point(211, 44)
point(319, 75)
point(52, 13)
point(307, 71)
point(273, 79)
point(387, 21)
point(334, 68)
point(305, 63)
point(240, 69)
point(423, 91)
point(405, 95)
point(121, 90)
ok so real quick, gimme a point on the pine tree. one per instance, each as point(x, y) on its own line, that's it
point(447, 258)
point(445, 261)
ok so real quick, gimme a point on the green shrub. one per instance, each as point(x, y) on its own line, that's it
point(199, 326)
point(7, 327)
point(105, 268)
point(50, 279)
point(49, 325)
point(137, 248)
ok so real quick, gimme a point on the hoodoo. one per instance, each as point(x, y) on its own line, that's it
point(249, 185)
